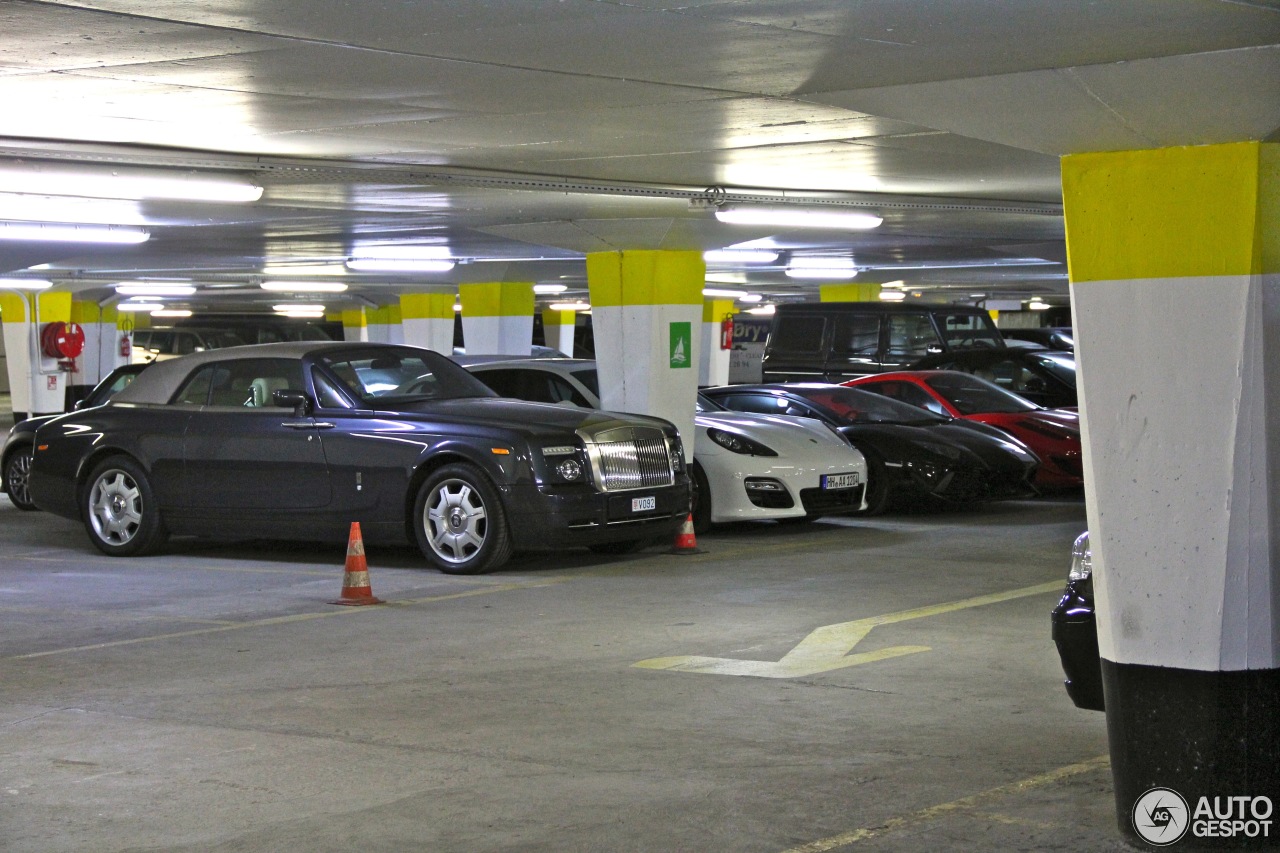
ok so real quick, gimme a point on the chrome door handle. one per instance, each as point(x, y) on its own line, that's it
point(308, 425)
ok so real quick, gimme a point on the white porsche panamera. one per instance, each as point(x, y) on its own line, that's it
point(746, 467)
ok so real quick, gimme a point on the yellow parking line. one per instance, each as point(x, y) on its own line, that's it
point(964, 804)
point(285, 620)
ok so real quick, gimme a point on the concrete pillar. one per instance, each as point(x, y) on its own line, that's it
point(713, 366)
point(858, 292)
point(37, 383)
point(427, 320)
point(102, 336)
point(355, 325)
point(497, 317)
point(382, 324)
point(558, 328)
point(645, 308)
point(1174, 257)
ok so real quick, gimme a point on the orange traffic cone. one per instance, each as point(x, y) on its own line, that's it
point(355, 581)
point(686, 541)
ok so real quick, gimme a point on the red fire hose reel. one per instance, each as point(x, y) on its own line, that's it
point(63, 341)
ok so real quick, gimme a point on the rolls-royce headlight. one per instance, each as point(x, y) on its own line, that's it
point(569, 470)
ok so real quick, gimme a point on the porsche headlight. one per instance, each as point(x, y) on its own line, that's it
point(735, 443)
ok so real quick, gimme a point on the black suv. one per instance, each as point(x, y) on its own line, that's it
point(835, 341)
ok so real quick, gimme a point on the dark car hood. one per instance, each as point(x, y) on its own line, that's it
point(529, 417)
point(969, 446)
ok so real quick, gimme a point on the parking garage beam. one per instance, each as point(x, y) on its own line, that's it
point(646, 309)
point(1174, 257)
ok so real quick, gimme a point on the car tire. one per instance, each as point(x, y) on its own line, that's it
point(877, 494)
point(459, 521)
point(16, 471)
point(120, 510)
point(700, 507)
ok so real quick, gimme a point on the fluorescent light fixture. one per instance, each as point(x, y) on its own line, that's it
point(740, 256)
point(569, 306)
point(301, 315)
point(171, 312)
point(401, 259)
point(1037, 305)
point(405, 265)
point(156, 289)
point(124, 183)
point(762, 310)
point(139, 306)
point(898, 283)
point(24, 284)
point(65, 209)
point(798, 217)
point(51, 233)
point(892, 295)
point(966, 264)
point(819, 267)
point(304, 286)
point(716, 292)
point(550, 288)
point(750, 297)
point(298, 306)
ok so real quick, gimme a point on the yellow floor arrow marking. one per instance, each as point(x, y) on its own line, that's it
point(828, 648)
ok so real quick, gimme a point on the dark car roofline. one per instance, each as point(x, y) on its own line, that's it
point(158, 383)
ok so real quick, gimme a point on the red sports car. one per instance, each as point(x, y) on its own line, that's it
point(1052, 434)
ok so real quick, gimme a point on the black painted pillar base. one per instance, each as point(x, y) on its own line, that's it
point(1213, 735)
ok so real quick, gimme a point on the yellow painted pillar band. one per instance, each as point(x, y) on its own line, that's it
point(497, 299)
point(1207, 210)
point(427, 306)
point(54, 307)
point(13, 308)
point(559, 318)
point(645, 278)
point(715, 310)
point(86, 312)
point(354, 318)
point(860, 292)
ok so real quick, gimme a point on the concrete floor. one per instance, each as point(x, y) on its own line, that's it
point(212, 699)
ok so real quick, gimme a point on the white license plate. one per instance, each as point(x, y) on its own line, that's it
point(643, 504)
point(840, 481)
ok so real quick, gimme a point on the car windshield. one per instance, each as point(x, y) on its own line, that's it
point(706, 404)
point(1062, 365)
point(855, 406)
point(587, 376)
point(974, 396)
point(386, 376)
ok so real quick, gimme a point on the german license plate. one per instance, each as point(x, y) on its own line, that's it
point(840, 481)
point(644, 504)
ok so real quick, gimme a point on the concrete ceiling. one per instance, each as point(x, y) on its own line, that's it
point(525, 133)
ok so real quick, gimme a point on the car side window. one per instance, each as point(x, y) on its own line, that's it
point(563, 392)
point(857, 334)
point(195, 391)
point(327, 396)
point(911, 335)
point(250, 382)
point(799, 334)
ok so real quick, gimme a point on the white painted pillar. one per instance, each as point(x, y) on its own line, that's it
point(427, 320)
point(713, 366)
point(645, 308)
point(497, 317)
point(1175, 267)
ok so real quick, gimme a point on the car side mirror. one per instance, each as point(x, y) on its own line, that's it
point(292, 397)
point(77, 405)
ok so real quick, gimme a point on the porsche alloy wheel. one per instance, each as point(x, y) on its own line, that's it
point(461, 525)
point(120, 511)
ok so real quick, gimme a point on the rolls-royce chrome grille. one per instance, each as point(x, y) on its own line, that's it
point(630, 458)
